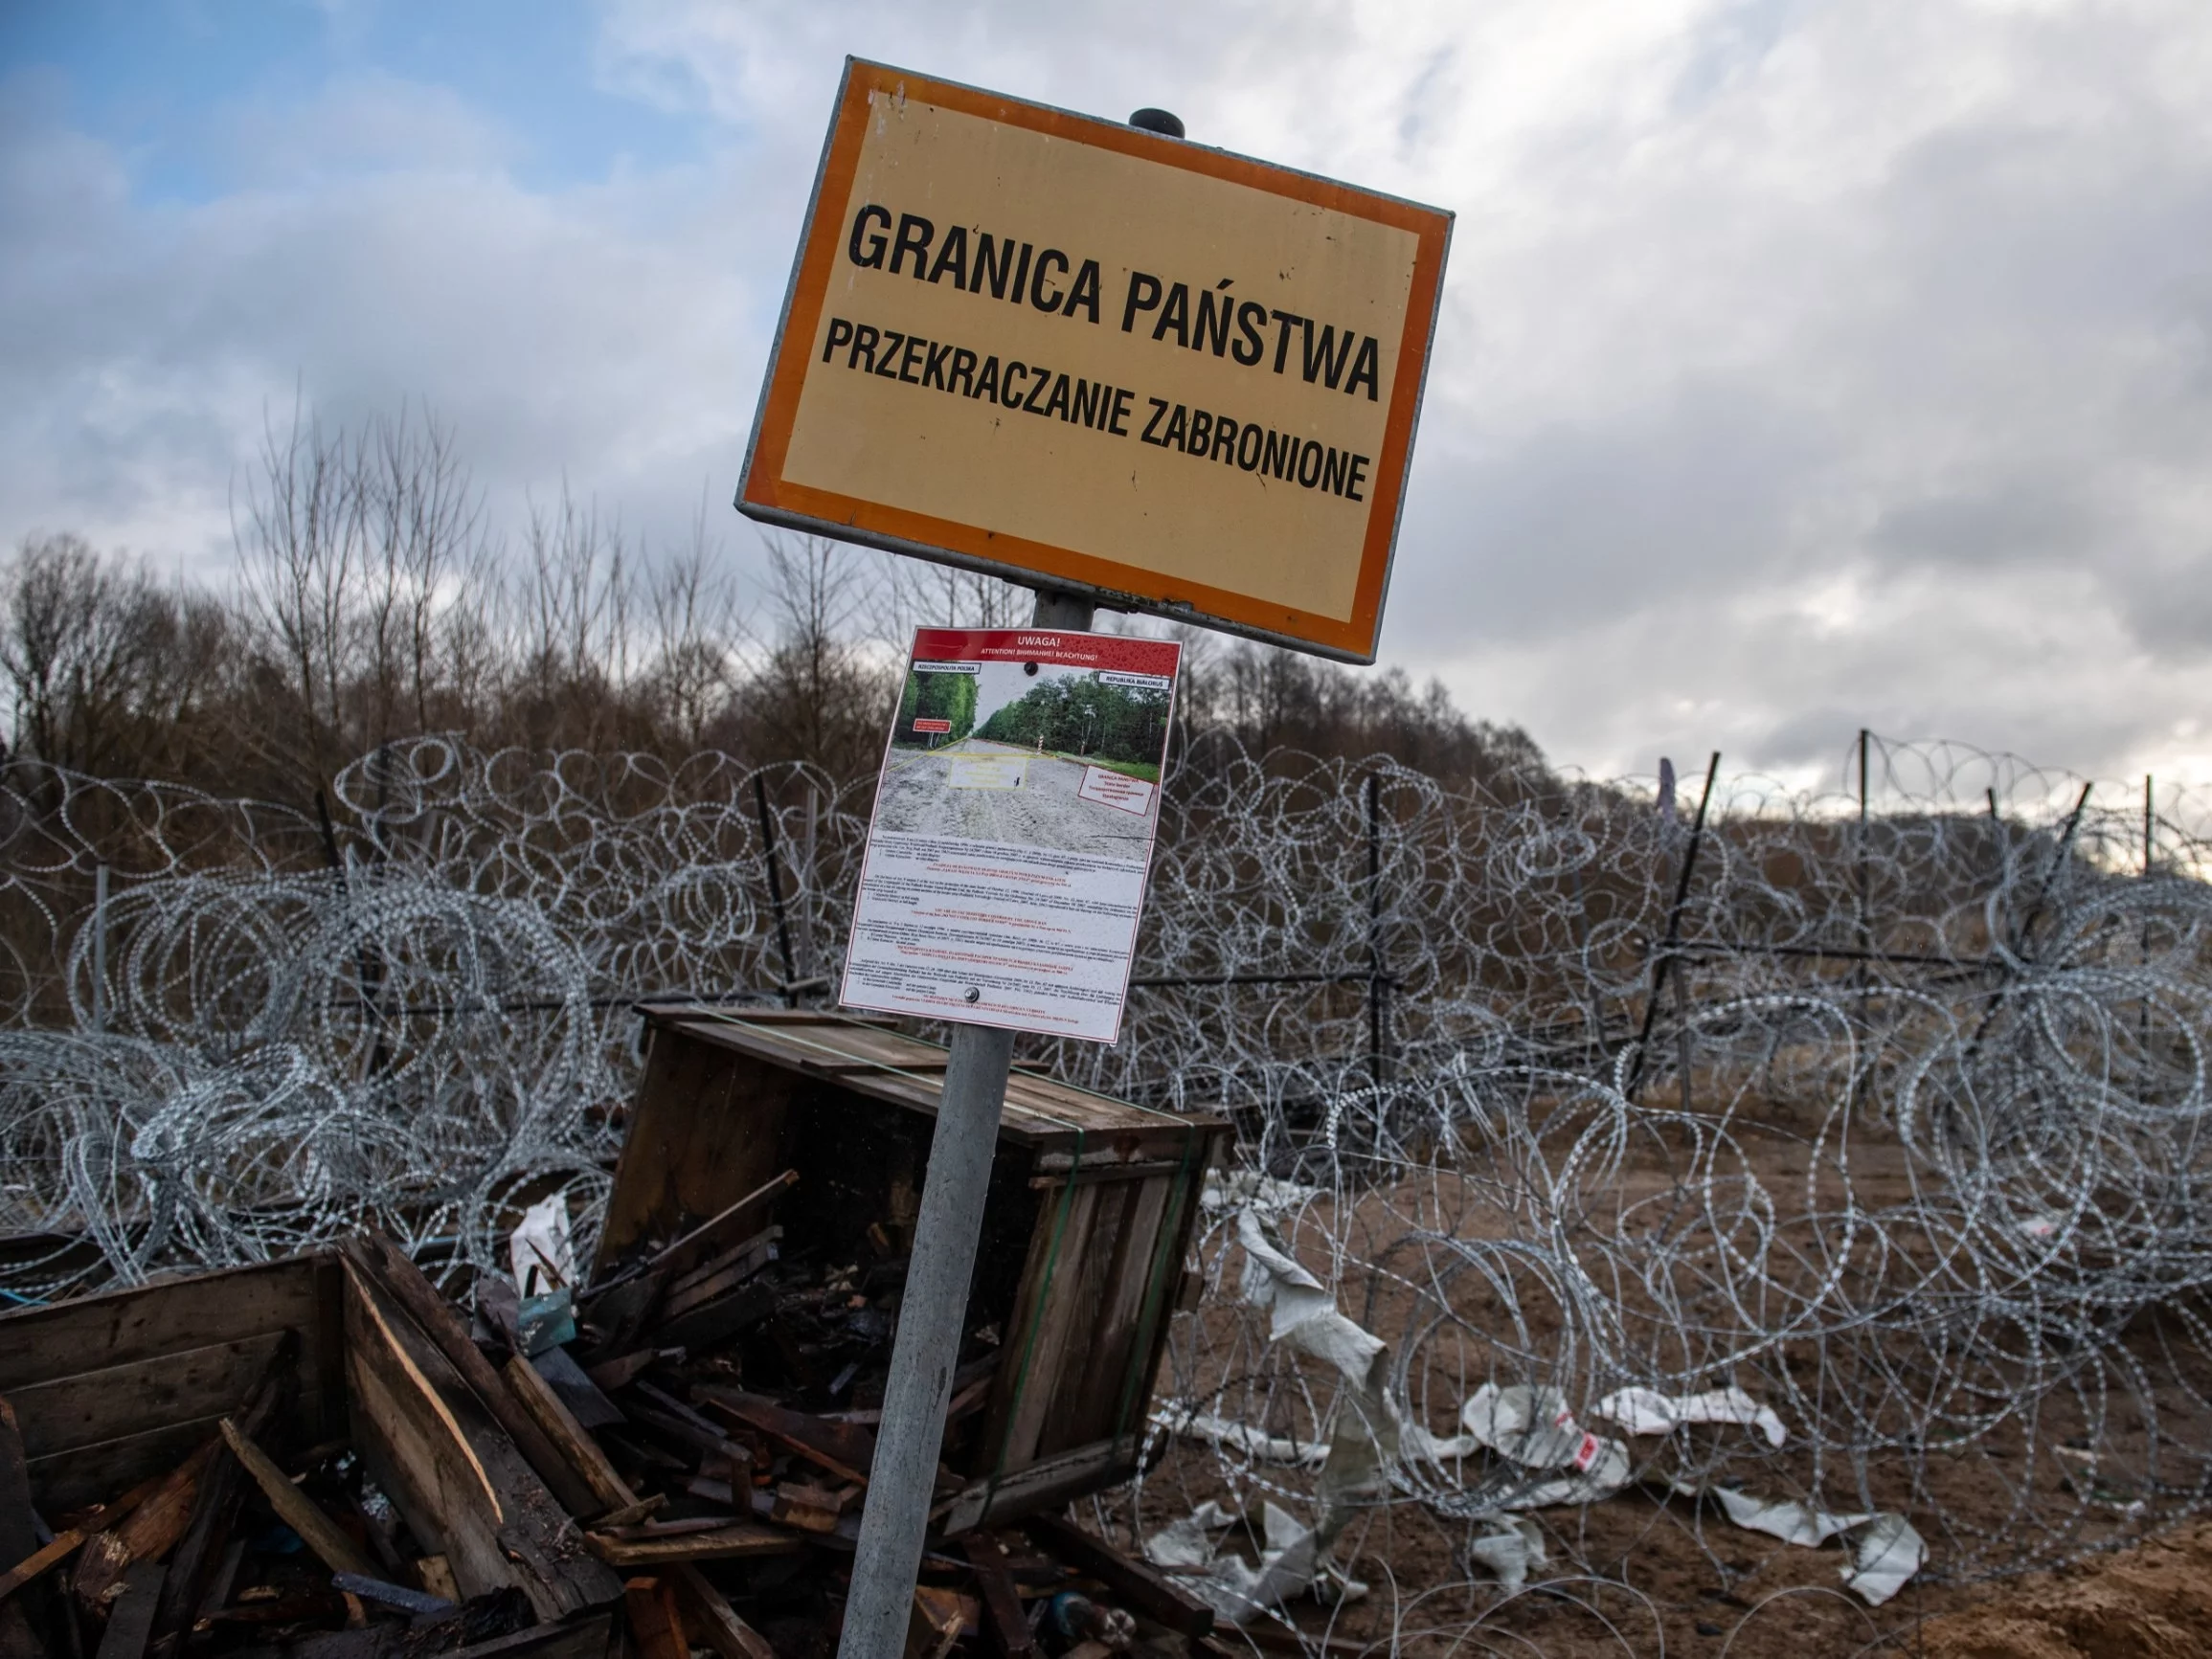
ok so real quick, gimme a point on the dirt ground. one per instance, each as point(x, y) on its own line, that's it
point(2153, 1601)
point(920, 797)
point(1643, 1571)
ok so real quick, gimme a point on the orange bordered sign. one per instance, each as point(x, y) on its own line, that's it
point(1077, 355)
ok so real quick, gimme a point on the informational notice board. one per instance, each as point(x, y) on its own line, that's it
point(1084, 356)
point(1013, 830)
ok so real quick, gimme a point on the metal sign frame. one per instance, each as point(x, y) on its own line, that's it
point(764, 494)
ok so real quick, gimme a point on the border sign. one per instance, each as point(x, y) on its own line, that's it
point(1005, 869)
point(1074, 353)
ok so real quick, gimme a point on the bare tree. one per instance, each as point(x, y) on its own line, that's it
point(925, 595)
point(821, 693)
point(301, 549)
point(102, 667)
point(577, 593)
point(698, 627)
point(422, 517)
point(373, 600)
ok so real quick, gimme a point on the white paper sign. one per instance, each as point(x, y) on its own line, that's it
point(1117, 789)
point(1013, 830)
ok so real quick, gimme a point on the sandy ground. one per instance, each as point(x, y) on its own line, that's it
point(1701, 1585)
point(917, 797)
point(2153, 1601)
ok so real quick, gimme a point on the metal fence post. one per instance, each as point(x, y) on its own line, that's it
point(99, 949)
point(1666, 952)
point(776, 891)
point(1378, 982)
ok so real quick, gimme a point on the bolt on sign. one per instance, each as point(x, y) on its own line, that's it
point(1072, 353)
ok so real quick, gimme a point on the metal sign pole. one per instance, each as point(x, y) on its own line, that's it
point(902, 1481)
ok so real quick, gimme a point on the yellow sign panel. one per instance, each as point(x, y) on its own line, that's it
point(1051, 346)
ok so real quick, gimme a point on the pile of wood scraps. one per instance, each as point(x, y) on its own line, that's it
point(279, 1463)
point(724, 1416)
point(331, 1458)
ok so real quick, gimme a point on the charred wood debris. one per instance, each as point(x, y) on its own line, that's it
point(708, 1432)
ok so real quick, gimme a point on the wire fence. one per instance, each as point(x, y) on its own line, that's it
point(1679, 1183)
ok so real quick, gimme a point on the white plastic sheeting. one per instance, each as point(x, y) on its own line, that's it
point(1533, 1428)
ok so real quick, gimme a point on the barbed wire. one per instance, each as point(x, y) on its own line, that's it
point(1884, 1110)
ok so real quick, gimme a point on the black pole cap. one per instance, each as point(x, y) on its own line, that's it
point(1158, 121)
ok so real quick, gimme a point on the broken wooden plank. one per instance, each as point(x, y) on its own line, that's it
point(706, 1229)
point(934, 1621)
point(215, 1505)
point(734, 1541)
point(76, 1479)
point(435, 1572)
point(973, 1398)
point(574, 1384)
point(613, 1375)
point(629, 1514)
point(419, 1452)
point(656, 1620)
point(709, 1617)
point(679, 1302)
point(404, 1282)
point(149, 1531)
point(610, 1322)
point(1144, 1587)
point(678, 1430)
point(714, 1323)
point(130, 1621)
point(222, 1583)
point(569, 1437)
point(675, 1528)
point(464, 1488)
point(732, 1268)
point(111, 1514)
point(1049, 1482)
point(295, 1509)
point(39, 1561)
point(810, 1509)
point(1004, 1621)
point(583, 1637)
point(845, 1450)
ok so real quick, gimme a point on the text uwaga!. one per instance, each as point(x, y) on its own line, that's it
point(1050, 281)
point(1215, 320)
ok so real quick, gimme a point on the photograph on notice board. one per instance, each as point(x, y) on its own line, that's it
point(1028, 753)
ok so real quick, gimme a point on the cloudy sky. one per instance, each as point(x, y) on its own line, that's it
point(1803, 365)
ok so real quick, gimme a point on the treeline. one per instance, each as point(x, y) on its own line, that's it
point(1082, 714)
point(372, 601)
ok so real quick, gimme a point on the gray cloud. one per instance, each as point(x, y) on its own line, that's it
point(1802, 366)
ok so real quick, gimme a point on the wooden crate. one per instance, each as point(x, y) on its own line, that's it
point(1086, 1225)
point(114, 1388)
